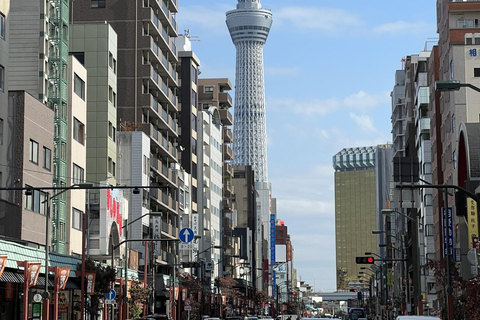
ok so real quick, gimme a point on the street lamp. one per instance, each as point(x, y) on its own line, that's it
point(419, 279)
point(453, 85)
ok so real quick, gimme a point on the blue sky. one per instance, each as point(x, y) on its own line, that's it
point(329, 70)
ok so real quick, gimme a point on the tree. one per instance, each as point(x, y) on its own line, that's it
point(104, 277)
point(226, 286)
point(139, 295)
point(193, 287)
point(471, 298)
point(441, 279)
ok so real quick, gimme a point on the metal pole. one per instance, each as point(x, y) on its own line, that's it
point(46, 300)
point(145, 259)
point(448, 260)
point(125, 296)
point(82, 281)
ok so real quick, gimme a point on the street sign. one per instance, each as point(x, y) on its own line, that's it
point(188, 302)
point(110, 302)
point(185, 246)
point(187, 308)
point(209, 266)
point(110, 295)
point(186, 235)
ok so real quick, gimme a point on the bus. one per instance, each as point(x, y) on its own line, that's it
point(356, 313)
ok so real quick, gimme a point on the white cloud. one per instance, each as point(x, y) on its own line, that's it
point(364, 122)
point(324, 20)
point(401, 27)
point(358, 101)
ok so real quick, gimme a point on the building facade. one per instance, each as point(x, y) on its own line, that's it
point(355, 211)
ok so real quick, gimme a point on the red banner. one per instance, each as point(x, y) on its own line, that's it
point(90, 282)
point(33, 272)
point(3, 262)
point(63, 274)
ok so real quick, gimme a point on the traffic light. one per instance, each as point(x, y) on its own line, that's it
point(365, 260)
point(294, 293)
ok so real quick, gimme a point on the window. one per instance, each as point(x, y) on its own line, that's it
point(79, 86)
point(2, 26)
point(77, 219)
point(1, 131)
point(98, 4)
point(47, 158)
point(468, 41)
point(36, 202)
point(77, 174)
point(2, 78)
point(194, 74)
point(431, 288)
point(194, 122)
point(429, 230)
point(114, 99)
point(209, 89)
point(476, 72)
point(34, 151)
point(111, 131)
point(78, 131)
point(428, 200)
point(194, 146)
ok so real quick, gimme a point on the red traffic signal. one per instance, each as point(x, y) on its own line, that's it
point(365, 260)
point(294, 293)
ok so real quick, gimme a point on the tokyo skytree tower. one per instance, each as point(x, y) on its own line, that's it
point(249, 26)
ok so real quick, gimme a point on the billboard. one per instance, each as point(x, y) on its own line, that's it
point(113, 209)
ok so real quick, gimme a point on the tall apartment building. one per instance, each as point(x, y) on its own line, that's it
point(458, 28)
point(147, 90)
point(412, 221)
point(213, 93)
point(355, 210)
point(5, 171)
point(39, 42)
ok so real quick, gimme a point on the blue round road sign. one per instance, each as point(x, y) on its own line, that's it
point(186, 235)
point(110, 295)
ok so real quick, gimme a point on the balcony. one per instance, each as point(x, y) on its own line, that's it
point(227, 152)
point(227, 135)
point(226, 117)
point(228, 223)
point(229, 188)
point(162, 200)
point(166, 16)
point(228, 169)
point(156, 84)
point(154, 26)
point(158, 114)
point(155, 56)
point(161, 145)
point(227, 205)
point(225, 99)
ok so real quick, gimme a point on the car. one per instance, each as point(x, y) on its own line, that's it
point(417, 318)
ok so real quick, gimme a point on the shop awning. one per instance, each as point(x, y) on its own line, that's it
point(8, 276)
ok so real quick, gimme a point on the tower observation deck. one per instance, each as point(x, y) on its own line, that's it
point(249, 26)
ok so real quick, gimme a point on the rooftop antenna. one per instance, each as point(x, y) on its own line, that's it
point(191, 38)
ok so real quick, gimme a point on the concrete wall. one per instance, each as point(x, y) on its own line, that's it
point(77, 155)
